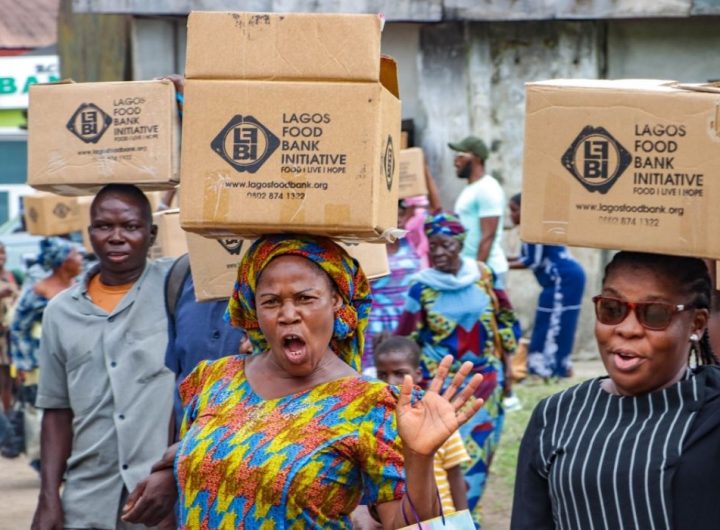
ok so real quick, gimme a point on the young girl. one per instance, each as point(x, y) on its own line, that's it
point(396, 357)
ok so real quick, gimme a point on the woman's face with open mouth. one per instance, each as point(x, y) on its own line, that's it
point(641, 360)
point(296, 304)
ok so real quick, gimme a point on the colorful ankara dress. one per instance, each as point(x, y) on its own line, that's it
point(388, 295)
point(301, 461)
point(463, 316)
point(556, 318)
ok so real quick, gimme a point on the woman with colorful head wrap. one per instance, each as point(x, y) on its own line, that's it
point(453, 309)
point(64, 263)
point(294, 436)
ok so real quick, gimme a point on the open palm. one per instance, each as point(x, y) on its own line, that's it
point(424, 426)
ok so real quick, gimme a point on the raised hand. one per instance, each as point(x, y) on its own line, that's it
point(427, 424)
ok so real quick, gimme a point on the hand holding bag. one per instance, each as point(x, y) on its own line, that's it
point(454, 521)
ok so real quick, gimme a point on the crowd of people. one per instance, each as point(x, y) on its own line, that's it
point(318, 398)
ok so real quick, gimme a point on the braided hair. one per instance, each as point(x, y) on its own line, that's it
point(690, 275)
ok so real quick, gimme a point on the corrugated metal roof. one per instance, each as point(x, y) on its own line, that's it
point(28, 23)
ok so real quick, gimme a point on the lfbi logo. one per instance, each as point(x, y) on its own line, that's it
point(232, 246)
point(61, 210)
point(388, 162)
point(245, 143)
point(596, 159)
point(89, 123)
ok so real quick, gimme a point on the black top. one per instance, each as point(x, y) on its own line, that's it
point(590, 459)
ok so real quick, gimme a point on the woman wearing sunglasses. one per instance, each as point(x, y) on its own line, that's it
point(640, 447)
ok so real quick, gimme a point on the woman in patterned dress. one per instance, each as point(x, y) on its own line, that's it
point(8, 295)
point(65, 263)
point(453, 309)
point(388, 292)
point(294, 437)
point(562, 280)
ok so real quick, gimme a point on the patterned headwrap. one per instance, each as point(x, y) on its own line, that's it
point(53, 252)
point(350, 320)
point(444, 223)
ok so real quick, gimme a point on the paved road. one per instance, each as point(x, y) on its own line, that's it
point(19, 486)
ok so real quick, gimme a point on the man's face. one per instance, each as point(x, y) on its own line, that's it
point(463, 165)
point(120, 233)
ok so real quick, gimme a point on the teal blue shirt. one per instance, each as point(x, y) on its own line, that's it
point(483, 198)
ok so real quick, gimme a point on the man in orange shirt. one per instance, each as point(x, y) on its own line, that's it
point(106, 393)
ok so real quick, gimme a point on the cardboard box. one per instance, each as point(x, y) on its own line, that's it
point(47, 214)
point(412, 173)
point(373, 258)
point(274, 46)
point(84, 203)
point(310, 156)
point(214, 263)
point(85, 135)
point(623, 165)
point(170, 241)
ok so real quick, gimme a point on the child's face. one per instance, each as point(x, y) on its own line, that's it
point(392, 367)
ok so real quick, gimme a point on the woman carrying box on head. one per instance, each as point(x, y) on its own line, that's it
point(388, 292)
point(293, 436)
point(406, 256)
point(453, 309)
point(639, 448)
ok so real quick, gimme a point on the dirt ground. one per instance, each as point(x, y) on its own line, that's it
point(19, 483)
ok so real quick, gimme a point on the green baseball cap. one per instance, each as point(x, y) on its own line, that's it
point(471, 144)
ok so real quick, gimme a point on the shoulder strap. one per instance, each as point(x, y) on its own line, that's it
point(173, 283)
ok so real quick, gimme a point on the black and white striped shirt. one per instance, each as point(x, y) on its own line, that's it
point(603, 461)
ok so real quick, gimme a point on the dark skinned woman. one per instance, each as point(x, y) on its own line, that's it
point(294, 437)
point(452, 309)
point(639, 448)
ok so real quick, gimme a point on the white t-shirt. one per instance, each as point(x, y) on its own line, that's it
point(483, 198)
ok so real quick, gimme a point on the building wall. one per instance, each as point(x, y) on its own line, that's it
point(681, 49)
point(424, 10)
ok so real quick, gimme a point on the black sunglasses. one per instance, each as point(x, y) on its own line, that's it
point(651, 315)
